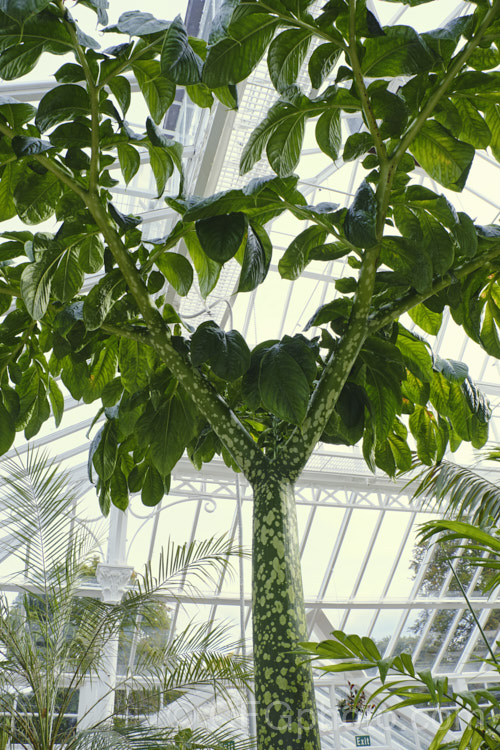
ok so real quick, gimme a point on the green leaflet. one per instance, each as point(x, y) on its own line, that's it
point(426, 319)
point(91, 253)
point(401, 51)
point(104, 450)
point(221, 236)
point(286, 54)
point(361, 218)
point(232, 58)
point(207, 270)
point(66, 102)
point(102, 370)
point(35, 196)
point(296, 256)
point(256, 258)
point(101, 299)
point(130, 161)
point(226, 352)
point(137, 23)
point(21, 10)
point(167, 431)
point(474, 129)
point(179, 62)
point(329, 133)
point(177, 270)
point(152, 489)
point(134, 365)
point(444, 158)
point(7, 430)
point(158, 92)
point(322, 61)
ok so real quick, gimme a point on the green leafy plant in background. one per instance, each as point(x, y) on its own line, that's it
point(85, 305)
point(398, 683)
point(53, 639)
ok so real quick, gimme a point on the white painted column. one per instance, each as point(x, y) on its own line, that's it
point(97, 694)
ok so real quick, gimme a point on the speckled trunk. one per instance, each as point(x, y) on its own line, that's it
point(284, 692)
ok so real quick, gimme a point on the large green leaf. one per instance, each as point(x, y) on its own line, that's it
point(91, 253)
point(130, 161)
point(474, 129)
point(15, 112)
point(232, 58)
point(102, 370)
point(134, 365)
point(21, 10)
point(7, 429)
point(221, 236)
point(446, 159)
point(177, 270)
point(101, 299)
point(256, 258)
point(361, 218)
point(329, 133)
point(286, 54)
point(9, 176)
point(283, 386)
point(138, 23)
point(401, 51)
point(105, 449)
point(207, 270)
point(68, 278)
point(36, 282)
point(152, 489)
point(322, 61)
point(226, 352)
point(167, 431)
point(62, 103)
point(17, 61)
point(285, 144)
point(158, 91)
point(179, 62)
point(36, 196)
point(296, 256)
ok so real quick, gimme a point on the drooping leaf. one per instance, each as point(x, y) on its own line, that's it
point(283, 386)
point(179, 62)
point(296, 256)
point(152, 489)
point(226, 352)
point(322, 61)
point(361, 218)
point(177, 270)
point(221, 236)
point(444, 158)
point(158, 91)
point(207, 270)
point(401, 51)
point(35, 196)
point(66, 102)
point(256, 258)
point(286, 54)
point(232, 58)
point(138, 23)
point(329, 134)
point(101, 298)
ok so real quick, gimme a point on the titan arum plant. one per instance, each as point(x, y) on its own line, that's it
point(85, 305)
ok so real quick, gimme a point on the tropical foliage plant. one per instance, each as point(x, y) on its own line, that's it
point(85, 305)
point(397, 682)
point(53, 639)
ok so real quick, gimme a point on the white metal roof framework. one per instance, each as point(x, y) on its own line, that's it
point(357, 531)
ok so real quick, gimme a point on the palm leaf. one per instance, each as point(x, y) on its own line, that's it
point(458, 492)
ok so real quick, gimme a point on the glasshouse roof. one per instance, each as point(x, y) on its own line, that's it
point(364, 570)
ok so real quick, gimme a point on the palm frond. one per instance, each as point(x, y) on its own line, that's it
point(458, 492)
point(180, 566)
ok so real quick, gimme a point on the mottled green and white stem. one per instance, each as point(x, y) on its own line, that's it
point(284, 689)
